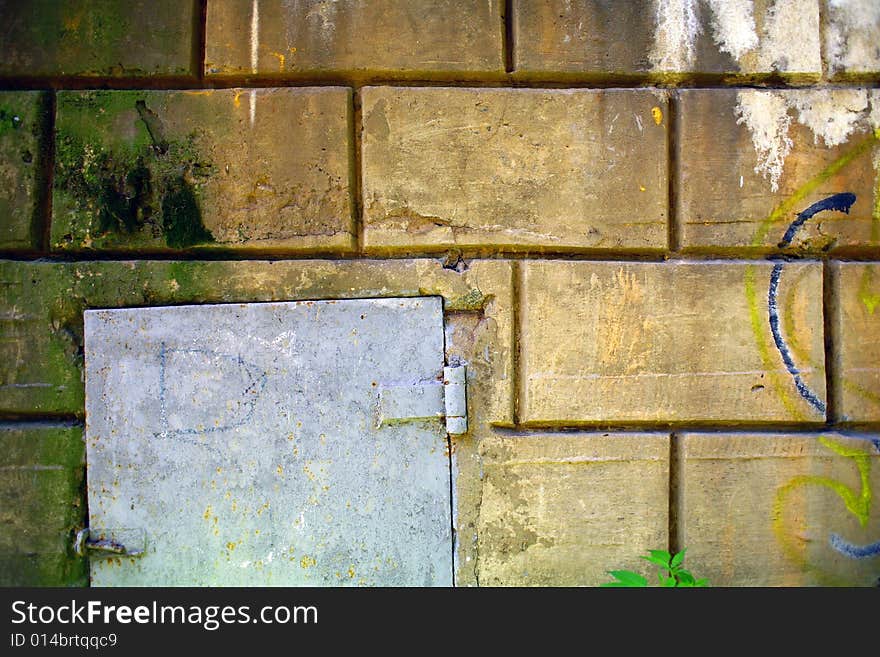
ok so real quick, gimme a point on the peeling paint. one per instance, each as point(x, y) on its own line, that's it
point(832, 115)
point(852, 36)
point(765, 114)
point(733, 22)
point(756, 42)
point(678, 26)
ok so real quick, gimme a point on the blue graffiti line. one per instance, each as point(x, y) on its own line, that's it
point(257, 384)
point(840, 203)
point(802, 387)
point(854, 551)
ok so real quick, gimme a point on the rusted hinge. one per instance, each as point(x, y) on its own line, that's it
point(106, 542)
point(427, 400)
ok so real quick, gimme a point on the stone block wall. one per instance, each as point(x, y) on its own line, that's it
point(655, 226)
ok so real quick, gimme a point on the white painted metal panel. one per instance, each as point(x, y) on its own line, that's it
point(244, 441)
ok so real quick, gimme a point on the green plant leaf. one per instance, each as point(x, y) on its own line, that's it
point(702, 582)
point(678, 558)
point(628, 578)
point(657, 560)
point(661, 554)
point(685, 578)
point(667, 582)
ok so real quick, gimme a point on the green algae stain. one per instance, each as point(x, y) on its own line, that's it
point(9, 120)
point(134, 182)
point(181, 218)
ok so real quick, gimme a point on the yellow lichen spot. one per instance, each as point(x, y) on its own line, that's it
point(279, 470)
point(236, 97)
point(290, 436)
point(641, 188)
point(208, 512)
point(71, 23)
point(307, 561)
point(351, 572)
point(280, 61)
point(234, 505)
point(219, 470)
point(227, 495)
point(657, 113)
point(230, 545)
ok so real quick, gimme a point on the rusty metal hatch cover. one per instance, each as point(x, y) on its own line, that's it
point(243, 444)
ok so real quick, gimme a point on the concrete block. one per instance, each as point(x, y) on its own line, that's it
point(851, 33)
point(41, 504)
point(752, 161)
point(165, 170)
point(667, 39)
point(780, 510)
point(414, 38)
point(562, 510)
point(23, 127)
point(856, 300)
point(514, 168)
point(674, 341)
point(106, 38)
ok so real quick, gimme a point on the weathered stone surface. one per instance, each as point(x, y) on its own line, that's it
point(514, 168)
point(604, 37)
point(780, 510)
point(23, 124)
point(98, 38)
point(156, 170)
point(41, 475)
point(596, 37)
point(416, 38)
point(561, 510)
point(852, 37)
point(750, 160)
point(43, 305)
point(674, 341)
point(857, 328)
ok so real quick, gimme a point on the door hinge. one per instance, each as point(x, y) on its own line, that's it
point(110, 542)
point(427, 400)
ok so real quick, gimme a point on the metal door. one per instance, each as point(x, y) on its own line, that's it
point(245, 444)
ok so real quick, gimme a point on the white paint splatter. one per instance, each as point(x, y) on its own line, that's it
point(678, 26)
point(765, 114)
point(852, 36)
point(255, 55)
point(831, 114)
point(786, 38)
point(733, 23)
point(790, 39)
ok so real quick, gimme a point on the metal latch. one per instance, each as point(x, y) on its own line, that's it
point(426, 400)
point(117, 542)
